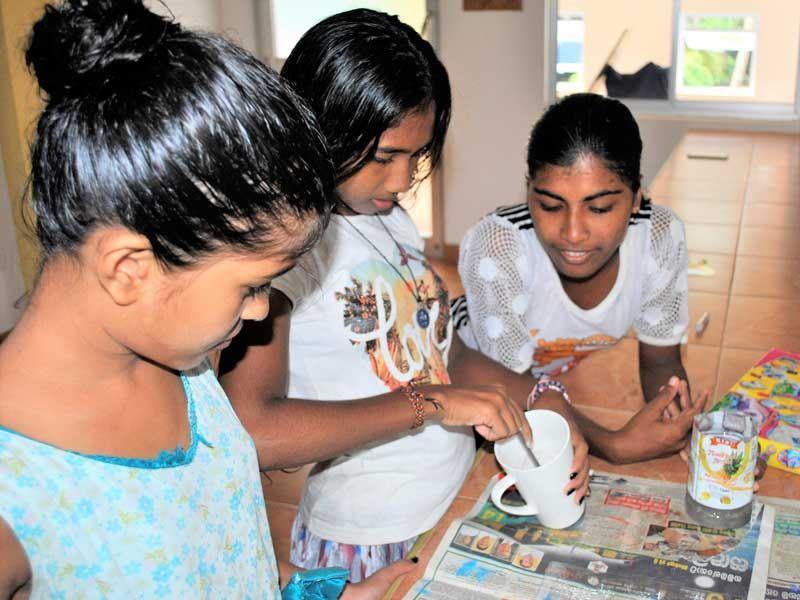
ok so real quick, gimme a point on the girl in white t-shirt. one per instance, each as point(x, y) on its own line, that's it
point(586, 258)
point(380, 394)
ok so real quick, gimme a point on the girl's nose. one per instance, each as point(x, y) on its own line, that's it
point(257, 308)
point(574, 229)
point(402, 176)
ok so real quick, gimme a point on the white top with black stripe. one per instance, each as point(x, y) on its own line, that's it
point(516, 310)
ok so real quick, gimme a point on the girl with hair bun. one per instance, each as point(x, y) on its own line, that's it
point(380, 395)
point(578, 265)
point(173, 177)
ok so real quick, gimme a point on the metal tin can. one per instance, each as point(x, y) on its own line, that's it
point(722, 465)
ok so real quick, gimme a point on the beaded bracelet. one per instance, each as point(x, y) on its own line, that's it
point(417, 402)
point(544, 384)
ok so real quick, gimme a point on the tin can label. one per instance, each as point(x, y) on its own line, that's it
point(722, 468)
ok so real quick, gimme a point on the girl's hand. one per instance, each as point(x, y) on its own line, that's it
point(487, 408)
point(374, 587)
point(580, 465)
point(649, 435)
point(579, 471)
point(681, 403)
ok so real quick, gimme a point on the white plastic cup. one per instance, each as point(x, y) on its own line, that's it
point(541, 487)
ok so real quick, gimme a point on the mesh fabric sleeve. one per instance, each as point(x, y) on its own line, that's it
point(492, 264)
point(664, 313)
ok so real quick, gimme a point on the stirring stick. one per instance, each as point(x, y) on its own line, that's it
point(529, 446)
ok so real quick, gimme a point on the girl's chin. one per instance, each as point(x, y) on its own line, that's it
point(575, 273)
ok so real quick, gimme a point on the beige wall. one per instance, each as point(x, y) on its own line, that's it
point(20, 103)
point(19, 106)
point(11, 285)
point(496, 69)
point(649, 38)
point(233, 18)
point(202, 14)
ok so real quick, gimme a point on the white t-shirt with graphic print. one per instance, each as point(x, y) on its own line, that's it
point(517, 311)
point(354, 334)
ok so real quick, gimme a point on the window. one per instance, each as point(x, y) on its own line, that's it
point(569, 54)
point(716, 55)
point(291, 19)
point(706, 57)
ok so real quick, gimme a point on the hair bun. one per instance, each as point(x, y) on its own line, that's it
point(78, 40)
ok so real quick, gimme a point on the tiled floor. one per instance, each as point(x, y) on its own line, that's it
point(754, 298)
point(743, 216)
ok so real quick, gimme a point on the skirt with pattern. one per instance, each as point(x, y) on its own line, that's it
point(311, 552)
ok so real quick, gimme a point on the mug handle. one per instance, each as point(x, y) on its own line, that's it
point(497, 499)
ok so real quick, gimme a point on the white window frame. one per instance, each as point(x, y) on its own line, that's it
point(265, 38)
point(750, 90)
point(672, 107)
point(582, 81)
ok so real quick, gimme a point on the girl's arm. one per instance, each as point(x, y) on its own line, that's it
point(664, 314)
point(15, 571)
point(656, 365)
point(470, 367)
point(646, 435)
point(291, 432)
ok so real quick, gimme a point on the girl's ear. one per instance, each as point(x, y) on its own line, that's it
point(125, 264)
point(637, 200)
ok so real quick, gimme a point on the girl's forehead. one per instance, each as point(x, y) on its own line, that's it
point(412, 126)
point(585, 167)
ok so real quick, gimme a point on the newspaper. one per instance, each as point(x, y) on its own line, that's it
point(784, 562)
point(634, 541)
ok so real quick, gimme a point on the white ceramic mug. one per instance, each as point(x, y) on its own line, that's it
point(541, 487)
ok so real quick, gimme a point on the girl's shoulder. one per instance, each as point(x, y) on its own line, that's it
point(666, 233)
point(506, 225)
point(516, 216)
point(657, 227)
point(659, 240)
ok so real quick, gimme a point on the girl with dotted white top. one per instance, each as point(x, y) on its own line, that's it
point(581, 262)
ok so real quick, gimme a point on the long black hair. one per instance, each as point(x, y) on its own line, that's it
point(177, 135)
point(362, 71)
point(588, 125)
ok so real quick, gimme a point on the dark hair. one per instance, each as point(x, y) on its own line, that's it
point(588, 125)
point(177, 135)
point(362, 71)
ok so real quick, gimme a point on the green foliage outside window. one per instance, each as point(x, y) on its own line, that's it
point(706, 68)
point(718, 23)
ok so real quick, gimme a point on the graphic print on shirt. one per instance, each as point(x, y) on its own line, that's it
point(567, 352)
point(379, 312)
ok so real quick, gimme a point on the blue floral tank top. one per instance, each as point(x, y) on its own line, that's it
point(188, 524)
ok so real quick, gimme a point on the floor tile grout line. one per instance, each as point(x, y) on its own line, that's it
point(750, 149)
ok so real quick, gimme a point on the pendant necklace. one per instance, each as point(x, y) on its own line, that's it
point(422, 315)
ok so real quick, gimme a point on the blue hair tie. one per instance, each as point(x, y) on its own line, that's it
point(317, 584)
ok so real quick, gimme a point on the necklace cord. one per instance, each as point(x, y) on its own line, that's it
point(413, 287)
